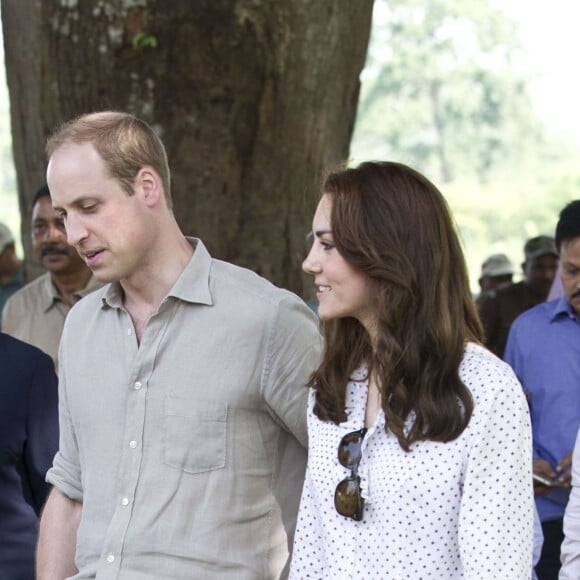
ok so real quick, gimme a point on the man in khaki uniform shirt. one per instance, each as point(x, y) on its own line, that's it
point(182, 384)
point(36, 313)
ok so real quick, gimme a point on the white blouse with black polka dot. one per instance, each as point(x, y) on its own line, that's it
point(462, 509)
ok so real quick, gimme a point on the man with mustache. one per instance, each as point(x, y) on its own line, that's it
point(36, 313)
point(544, 350)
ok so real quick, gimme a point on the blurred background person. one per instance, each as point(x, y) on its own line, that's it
point(497, 272)
point(497, 312)
point(557, 290)
point(11, 267)
point(28, 443)
point(36, 313)
point(543, 348)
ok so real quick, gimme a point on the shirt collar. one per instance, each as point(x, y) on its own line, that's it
point(51, 296)
point(49, 292)
point(562, 308)
point(192, 285)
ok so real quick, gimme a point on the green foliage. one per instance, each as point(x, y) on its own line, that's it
point(441, 93)
point(144, 40)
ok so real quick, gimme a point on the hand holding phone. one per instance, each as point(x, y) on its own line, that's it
point(548, 482)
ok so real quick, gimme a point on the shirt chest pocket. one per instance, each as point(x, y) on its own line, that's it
point(195, 434)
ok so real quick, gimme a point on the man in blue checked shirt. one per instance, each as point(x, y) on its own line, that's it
point(544, 350)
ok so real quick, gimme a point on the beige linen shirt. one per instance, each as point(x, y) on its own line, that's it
point(187, 451)
point(36, 313)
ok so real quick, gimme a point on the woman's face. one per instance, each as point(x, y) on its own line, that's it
point(342, 291)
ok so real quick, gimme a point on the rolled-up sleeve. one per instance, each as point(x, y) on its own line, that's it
point(65, 473)
point(294, 351)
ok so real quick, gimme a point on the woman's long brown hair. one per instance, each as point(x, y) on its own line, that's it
point(393, 224)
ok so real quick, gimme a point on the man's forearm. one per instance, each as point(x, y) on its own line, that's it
point(58, 537)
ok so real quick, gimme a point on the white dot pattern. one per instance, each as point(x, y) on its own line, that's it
point(462, 509)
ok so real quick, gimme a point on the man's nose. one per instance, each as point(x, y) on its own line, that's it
point(75, 231)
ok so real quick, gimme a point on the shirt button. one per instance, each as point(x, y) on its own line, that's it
point(137, 385)
point(125, 501)
point(110, 558)
point(132, 444)
point(129, 332)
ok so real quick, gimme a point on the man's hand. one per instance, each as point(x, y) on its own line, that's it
point(564, 471)
point(542, 467)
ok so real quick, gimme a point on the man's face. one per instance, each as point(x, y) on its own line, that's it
point(49, 240)
point(540, 273)
point(489, 283)
point(570, 262)
point(111, 230)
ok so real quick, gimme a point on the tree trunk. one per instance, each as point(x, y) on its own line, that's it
point(253, 98)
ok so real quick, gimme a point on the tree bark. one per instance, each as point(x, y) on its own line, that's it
point(253, 98)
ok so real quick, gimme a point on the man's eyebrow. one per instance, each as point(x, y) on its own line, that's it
point(75, 202)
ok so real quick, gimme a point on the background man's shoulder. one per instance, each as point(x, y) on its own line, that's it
point(29, 292)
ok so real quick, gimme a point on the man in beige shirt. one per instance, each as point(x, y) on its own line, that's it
point(36, 313)
point(182, 384)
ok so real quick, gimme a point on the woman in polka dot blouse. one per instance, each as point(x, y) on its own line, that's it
point(420, 446)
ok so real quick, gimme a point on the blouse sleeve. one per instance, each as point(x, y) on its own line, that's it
point(497, 506)
point(308, 557)
point(571, 545)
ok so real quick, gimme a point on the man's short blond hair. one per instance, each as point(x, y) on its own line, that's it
point(125, 143)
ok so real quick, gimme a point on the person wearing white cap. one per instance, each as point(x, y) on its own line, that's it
point(498, 312)
point(496, 272)
point(11, 268)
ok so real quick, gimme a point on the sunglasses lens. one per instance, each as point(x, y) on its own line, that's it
point(348, 500)
point(349, 450)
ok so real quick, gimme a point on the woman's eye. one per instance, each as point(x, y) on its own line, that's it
point(327, 245)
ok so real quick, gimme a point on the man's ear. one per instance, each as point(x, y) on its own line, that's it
point(148, 185)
